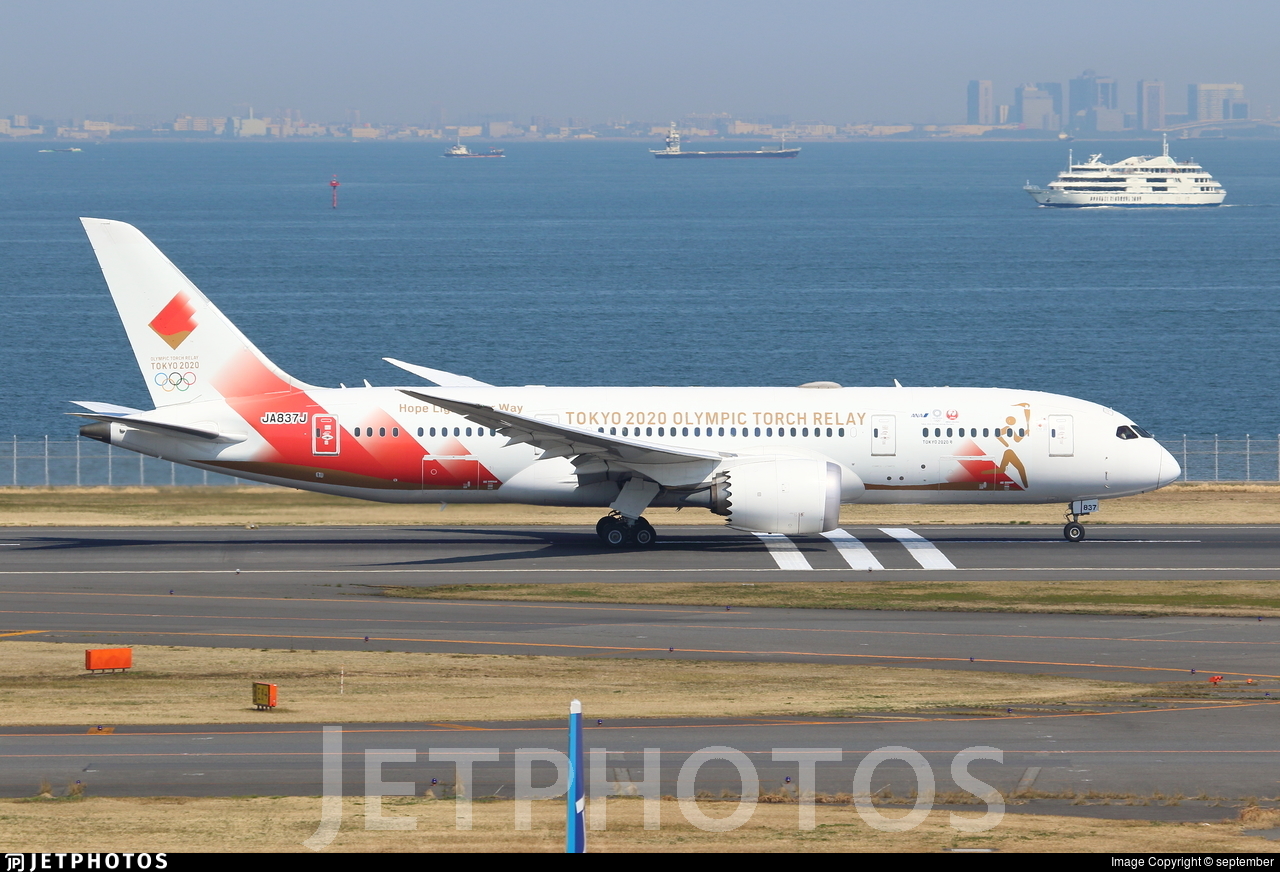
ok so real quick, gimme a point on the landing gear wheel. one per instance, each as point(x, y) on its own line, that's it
point(617, 535)
point(1073, 532)
point(604, 524)
point(643, 533)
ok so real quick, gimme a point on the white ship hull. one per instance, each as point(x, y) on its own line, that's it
point(1158, 181)
point(1050, 197)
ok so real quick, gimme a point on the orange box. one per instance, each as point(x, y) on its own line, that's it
point(264, 695)
point(108, 658)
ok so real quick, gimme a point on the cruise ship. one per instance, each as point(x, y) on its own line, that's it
point(1134, 181)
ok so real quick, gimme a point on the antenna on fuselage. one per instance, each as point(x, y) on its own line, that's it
point(896, 383)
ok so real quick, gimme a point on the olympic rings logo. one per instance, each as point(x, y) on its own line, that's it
point(175, 381)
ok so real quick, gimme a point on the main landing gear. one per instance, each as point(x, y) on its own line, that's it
point(617, 532)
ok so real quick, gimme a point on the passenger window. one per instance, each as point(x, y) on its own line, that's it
point(684, 431)
point(613, 431)
point(382, 431)
point(457, 431)
point(768, 431)
point(420, 433)
point(395, 431)
point(660, 431)
point(468, 431)
point(925, 432)
point(937, 431)
point(720, 432)
point(804, 432)
point(648, 431)
point(986, 432)
point(948, 432)
point(840, 432)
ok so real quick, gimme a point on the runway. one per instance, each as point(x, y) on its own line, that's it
point(313, 588)
point(304, 556)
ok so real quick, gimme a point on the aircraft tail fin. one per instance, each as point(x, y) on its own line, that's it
point(186, 348)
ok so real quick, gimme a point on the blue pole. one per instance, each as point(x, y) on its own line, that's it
point(575, 831)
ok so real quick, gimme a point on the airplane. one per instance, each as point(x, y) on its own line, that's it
point(779, 460)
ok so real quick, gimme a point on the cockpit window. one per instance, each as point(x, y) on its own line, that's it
point(1143, 433)
point(1124, 431)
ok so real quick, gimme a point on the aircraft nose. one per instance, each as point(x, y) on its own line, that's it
point(1169, 470)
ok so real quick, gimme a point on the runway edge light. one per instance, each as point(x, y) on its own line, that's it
point(575, 831)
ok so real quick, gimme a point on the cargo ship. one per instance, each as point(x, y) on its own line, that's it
point(460, 150)
point(673, 149)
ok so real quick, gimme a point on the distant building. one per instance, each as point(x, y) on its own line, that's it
point(1093, 100)
point(1216, 102)
point(981, 102)
point(250, 127)
point(1151, 109)
point(1033, 109)
point(1054, 89)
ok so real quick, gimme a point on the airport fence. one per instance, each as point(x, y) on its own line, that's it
point(69, 463)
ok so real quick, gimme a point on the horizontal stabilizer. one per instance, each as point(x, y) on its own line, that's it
point(107, 408)
point(438, 376)
point(163, 428)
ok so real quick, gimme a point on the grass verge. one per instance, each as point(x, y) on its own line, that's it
point(45, 683)
point(278, 824)
point(1224, 598)
point(1188, 503)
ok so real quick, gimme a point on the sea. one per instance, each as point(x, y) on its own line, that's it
point(591, 263)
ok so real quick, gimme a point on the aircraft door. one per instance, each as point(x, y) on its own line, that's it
point(326, 436)
point(1061, 436)
point(451, 472)
point(884, 440)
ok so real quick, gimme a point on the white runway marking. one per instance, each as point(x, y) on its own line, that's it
point(924, 551)
point(857, 555)
point(784, 551)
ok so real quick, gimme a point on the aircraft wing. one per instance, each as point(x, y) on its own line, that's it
point(590, 450)
point(439, 376)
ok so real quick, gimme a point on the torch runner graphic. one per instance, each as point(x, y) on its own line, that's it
point(1010, 457)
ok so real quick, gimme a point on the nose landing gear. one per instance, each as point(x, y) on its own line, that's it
point(617, 532)
point(1074, 530)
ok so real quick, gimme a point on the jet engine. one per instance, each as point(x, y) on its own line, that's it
point(780, 494)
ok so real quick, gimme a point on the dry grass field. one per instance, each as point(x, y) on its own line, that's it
point(45, 683)
point(1229, 598)
point(278, 824)
point(1193, 503)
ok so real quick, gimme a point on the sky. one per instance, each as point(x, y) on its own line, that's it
point(403, 60)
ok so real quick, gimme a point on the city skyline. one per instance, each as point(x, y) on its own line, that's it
point(1087, 104)
point(398, 61)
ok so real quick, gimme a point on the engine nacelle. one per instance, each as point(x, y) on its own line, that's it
point(793, 495)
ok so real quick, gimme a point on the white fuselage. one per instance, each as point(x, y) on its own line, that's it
point(893, 445)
